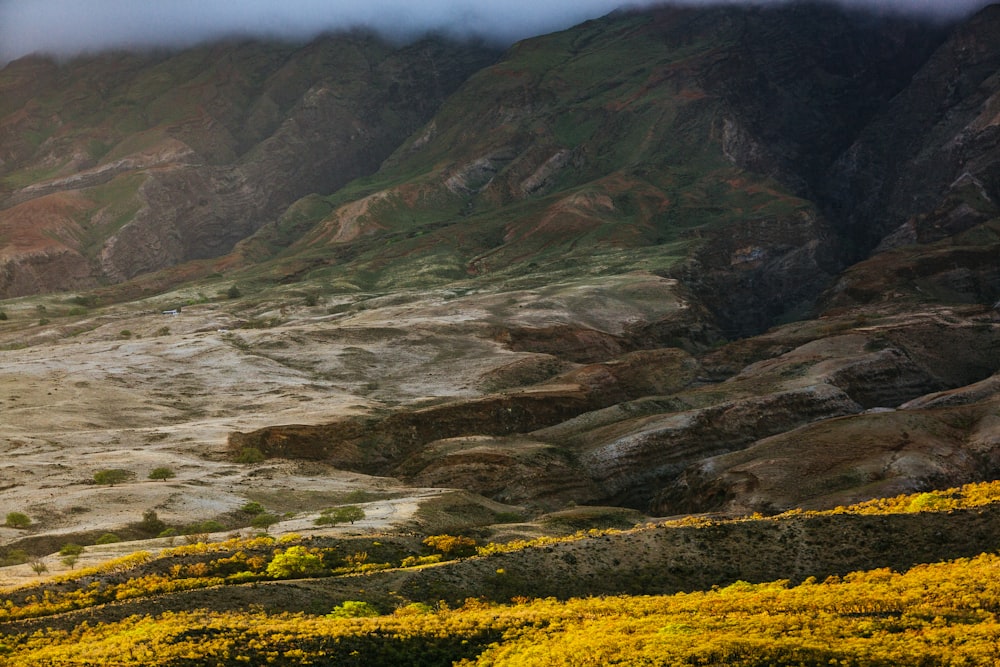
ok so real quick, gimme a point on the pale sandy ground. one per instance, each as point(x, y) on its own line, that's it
point(82, 397)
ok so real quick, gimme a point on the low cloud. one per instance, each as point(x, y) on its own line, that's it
point(67, 27)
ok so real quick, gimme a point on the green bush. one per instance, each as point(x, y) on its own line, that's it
point(294, 562)
point(17, 520)
point(107, 538)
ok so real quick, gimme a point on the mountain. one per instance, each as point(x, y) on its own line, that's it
point(122, 164)
point(677, 260)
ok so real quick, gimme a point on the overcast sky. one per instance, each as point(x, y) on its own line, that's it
point(73, 26)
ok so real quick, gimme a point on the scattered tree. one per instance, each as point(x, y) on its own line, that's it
point(38, 567)
point(113, 476)
point(108, 538)
point(17, 520)
point(233, 292)
point(345, 514)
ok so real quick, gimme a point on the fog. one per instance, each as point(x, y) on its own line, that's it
point(68, 27)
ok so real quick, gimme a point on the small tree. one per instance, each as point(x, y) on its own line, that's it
point(108, 538)
point(346, 514)
point(3, 316)
point(70, 553)
point(233, 292)
point(264, 521)
point(113, 476)
point(17, 520)
point(162, 473)
point(151, 524)
point(38, 567)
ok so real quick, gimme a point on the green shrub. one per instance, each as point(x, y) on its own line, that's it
point(107, 538)
point(17, 520)
point(252, 507)
point(162, 473)
point(250, 455)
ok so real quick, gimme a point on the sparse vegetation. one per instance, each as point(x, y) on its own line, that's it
point(108, 538)
point(17, 520)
